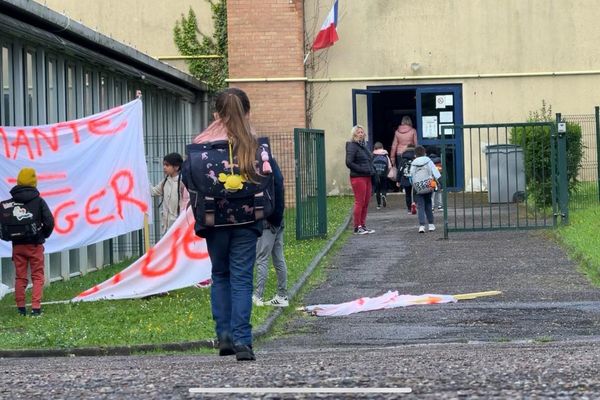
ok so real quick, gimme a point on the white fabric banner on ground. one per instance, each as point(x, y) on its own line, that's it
point(92, 173)
point(387, 300)
point(180, 259)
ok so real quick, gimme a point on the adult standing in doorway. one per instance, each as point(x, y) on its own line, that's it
point(404, 136)
point(360, 162)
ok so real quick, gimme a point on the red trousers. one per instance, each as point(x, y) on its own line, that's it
point(361, 186)
point(22, 255)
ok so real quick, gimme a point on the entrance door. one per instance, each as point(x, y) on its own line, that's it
point(362, 111)
point(439, 107)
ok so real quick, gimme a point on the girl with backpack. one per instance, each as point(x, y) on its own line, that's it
point(382, 164)
point(424, 176)
point(232, 248)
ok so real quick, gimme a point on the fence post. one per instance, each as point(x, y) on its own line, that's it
point(444, 181)
point(563, 182)
point(597, 115)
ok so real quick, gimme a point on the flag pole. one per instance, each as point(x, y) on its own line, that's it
point(306, 56)
point(138, 94)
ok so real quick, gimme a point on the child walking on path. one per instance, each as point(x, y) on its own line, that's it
point(383, 164)
point(270, 244)
point(404, 163)
point(424, 175)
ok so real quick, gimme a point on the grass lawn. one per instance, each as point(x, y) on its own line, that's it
point(582, 240)
point(183, 315)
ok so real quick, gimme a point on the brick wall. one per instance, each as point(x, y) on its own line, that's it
point(266, 40)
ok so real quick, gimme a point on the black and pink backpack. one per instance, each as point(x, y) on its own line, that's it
point(219, 196)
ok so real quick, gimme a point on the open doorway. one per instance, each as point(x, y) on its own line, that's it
point(430, 107)
point(388, 109)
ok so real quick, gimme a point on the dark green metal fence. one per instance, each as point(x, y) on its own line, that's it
point(514, 177)
point(311, 201)
point(585, 191)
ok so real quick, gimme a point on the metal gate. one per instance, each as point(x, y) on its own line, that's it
point(311, 200)
point(515, 177)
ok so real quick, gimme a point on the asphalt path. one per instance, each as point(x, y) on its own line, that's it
point(539, 339)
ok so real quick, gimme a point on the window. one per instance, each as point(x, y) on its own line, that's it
point(51, 92)
point(5, 82)
point(31, 117)
point(88, 107)
point(71, 95)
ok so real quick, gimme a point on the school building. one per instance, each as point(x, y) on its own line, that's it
point(53, 69)
point(439, 61)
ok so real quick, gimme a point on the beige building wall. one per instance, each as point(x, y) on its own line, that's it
point(146, 25)
point(509, 55)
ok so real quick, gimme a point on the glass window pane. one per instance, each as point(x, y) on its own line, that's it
point(87, 93)
point(51, 92)
point(103, 93)
point(30, 85)
point(118, 92)
point(5, 114)
point(71, 97)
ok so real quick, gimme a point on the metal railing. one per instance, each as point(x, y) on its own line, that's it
point(311, 201)
point(586, 192)
point(510, 174)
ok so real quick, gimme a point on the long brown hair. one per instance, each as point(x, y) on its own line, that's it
point(233, 106)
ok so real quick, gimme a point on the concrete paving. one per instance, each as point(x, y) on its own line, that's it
point(539, 339)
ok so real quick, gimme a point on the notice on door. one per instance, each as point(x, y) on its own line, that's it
point(430, 126)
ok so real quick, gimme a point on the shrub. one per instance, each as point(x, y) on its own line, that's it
point(536, 144)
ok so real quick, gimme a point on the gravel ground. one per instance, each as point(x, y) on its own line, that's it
point(539, 339)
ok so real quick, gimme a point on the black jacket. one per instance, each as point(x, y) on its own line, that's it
point(276, 218)
point(24, 194)
point(359, 160)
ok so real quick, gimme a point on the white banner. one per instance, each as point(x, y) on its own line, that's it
point(385, 301)
point(180, 259)
point(92, 173)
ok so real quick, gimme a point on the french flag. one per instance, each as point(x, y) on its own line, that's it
point(327, 36)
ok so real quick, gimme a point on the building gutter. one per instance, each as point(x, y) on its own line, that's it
point(250, 80)
point(416, 77)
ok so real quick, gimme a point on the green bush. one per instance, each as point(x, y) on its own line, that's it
point(536, 144)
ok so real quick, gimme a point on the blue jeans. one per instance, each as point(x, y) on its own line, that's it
point(424, 208)
point(232, 252)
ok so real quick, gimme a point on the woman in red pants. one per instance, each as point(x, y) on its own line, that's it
point(360, 162)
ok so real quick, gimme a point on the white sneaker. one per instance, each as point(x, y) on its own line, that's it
point(278, 301)
point(368, 230)
point(422, 229)
point(431, 227)
point(257, 301)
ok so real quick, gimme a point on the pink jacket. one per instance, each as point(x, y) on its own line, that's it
point(405, 135)
point(215, 131)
